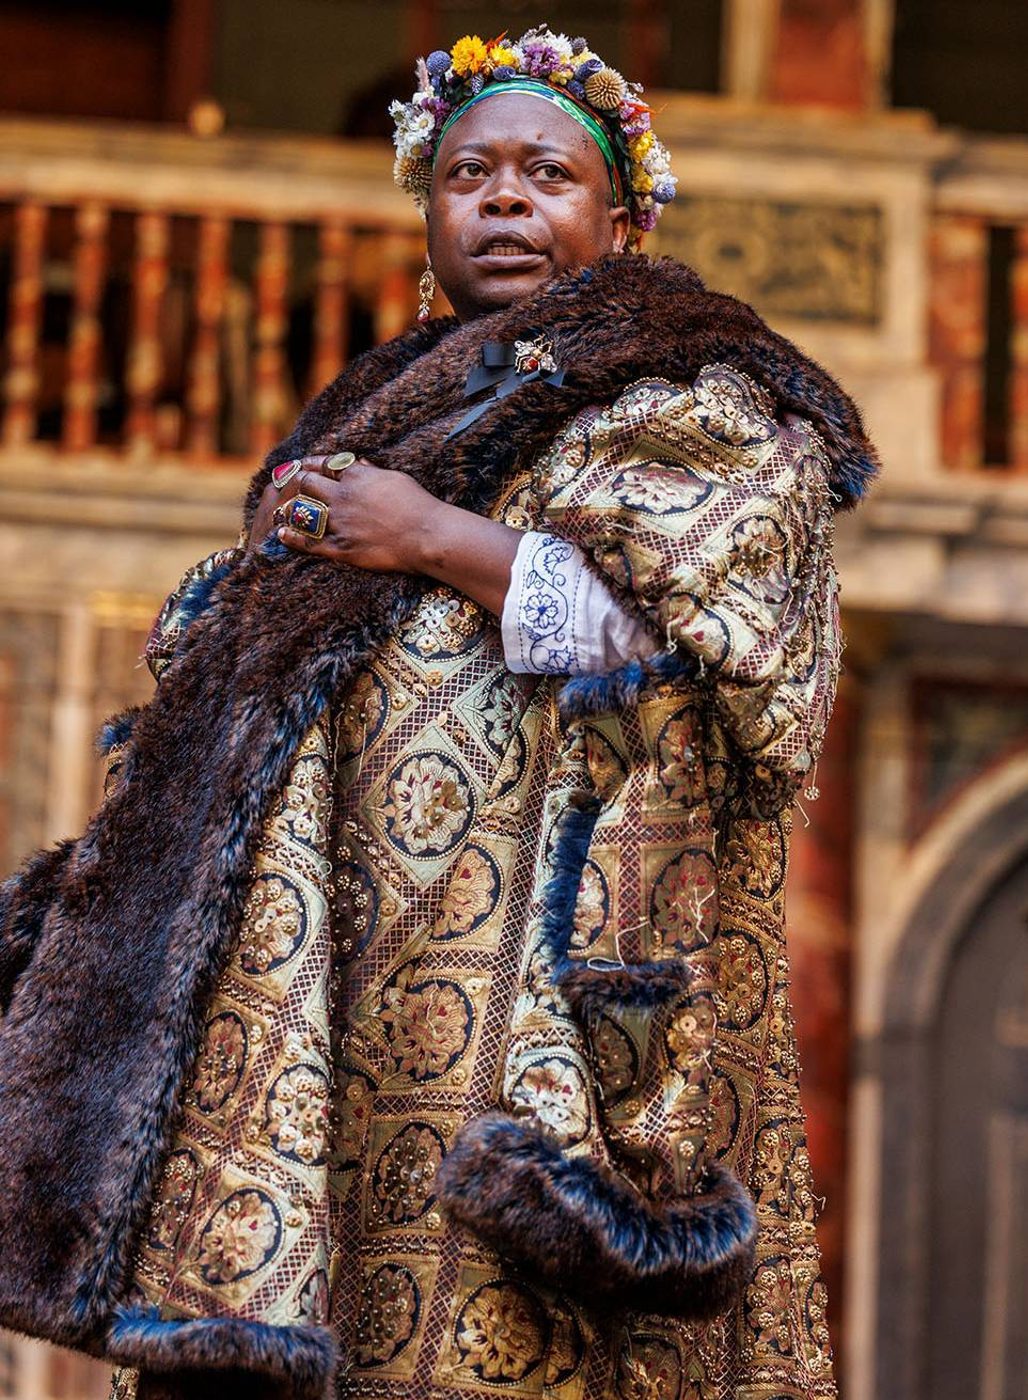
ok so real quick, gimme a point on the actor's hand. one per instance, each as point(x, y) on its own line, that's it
point(377, 519)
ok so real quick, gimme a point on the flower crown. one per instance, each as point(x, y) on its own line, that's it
point(446, 81)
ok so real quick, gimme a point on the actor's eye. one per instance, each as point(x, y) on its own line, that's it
point(468, 170)
point(552, 171)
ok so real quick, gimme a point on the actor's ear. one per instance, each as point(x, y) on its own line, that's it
point(620, 219)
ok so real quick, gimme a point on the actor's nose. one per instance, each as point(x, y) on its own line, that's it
point(505, 203)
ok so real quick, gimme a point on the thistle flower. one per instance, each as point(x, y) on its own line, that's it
point(414, 174)
point(605, 89)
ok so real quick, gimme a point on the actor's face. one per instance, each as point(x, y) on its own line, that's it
point(520, 192)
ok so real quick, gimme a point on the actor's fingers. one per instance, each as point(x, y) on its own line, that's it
point(296, 539)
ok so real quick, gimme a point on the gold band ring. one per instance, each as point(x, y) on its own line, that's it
point(337, 464)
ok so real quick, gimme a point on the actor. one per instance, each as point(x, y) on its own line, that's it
point(413, 1019)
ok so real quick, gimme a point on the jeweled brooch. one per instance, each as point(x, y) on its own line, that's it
point(533, 355)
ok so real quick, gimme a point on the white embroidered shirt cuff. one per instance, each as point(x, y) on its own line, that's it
point(560, 618)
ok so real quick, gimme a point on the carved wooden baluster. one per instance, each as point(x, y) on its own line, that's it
point(332, 307)
point(204, 379)
point(150, 277)
point(397, 294)
point(91, 223)
point(1018, 397)
point(269, 393)
point(959, 253)
point(26, 306)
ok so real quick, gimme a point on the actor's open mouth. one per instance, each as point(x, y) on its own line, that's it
point(506, 245)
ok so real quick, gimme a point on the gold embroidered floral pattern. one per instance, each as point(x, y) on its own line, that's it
point(745, 986)
point(553, 1093)
point(240, 1237)
point(313, 1303)
point(429, 805)
point(428, 1024)
point(470, 896)
point(617, 1061)
point(173, 1200)
point(757, 555)
point(403, 1176)
point(354, 1096)
point(681, 766)
point(684, 901)
point(649, 1369)
point(661, 490)
point(362, 715)
point(297, 1108)
point(592, 907)
point(501, 1332)
point(274, 925)
point(390, 1309)
point(769, 1305)
point(219, 1067)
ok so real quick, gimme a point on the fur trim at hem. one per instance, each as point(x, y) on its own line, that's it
point(579, 1228)
point(304, 1358)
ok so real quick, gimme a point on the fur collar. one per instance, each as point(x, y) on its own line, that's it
point(132, 924)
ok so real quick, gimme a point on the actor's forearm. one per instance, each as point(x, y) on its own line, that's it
point(468, 552)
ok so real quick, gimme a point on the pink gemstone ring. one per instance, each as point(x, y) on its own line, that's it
point(285, 471)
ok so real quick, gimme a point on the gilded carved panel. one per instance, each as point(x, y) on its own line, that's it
point(810, 260)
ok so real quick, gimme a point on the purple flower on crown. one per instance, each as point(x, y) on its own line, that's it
point(646, 219)
point(437, 63)
point(540, 58)
point(587, 69)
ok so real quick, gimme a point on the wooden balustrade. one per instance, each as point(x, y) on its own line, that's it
point(164, 298)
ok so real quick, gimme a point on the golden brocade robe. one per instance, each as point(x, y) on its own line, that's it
point(390, 981)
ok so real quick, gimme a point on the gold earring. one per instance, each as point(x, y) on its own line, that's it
point(426, 291)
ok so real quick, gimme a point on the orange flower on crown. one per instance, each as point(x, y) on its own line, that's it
point(468, 55)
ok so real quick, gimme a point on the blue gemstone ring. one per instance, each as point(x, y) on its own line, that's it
point(305, 514)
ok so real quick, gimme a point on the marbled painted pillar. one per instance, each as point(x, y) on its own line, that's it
point(820, 54)
point(957, 296)
point(1018, 397)
point(818, 918)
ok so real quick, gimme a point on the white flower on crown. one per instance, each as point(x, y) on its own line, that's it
point(414, 128)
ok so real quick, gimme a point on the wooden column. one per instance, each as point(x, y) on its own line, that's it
point(204, 398)
point(21, 387)
point(150, 277)
point(957, 329)
point(1018, 396)
point(818, 918)
point(91, 223)
point(269, 396)
point(332, 304)
point(820, 54)
point(397, 298)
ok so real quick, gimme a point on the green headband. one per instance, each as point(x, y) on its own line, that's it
point(581, 114)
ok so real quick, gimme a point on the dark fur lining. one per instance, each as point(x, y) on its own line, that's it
point(581, 1229)
point(590, 984)
point(303, 1357)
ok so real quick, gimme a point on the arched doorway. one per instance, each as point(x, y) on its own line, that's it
point(954, 1170)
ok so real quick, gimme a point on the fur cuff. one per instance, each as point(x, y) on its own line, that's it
point(303, 1358)
point(581, 1229)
